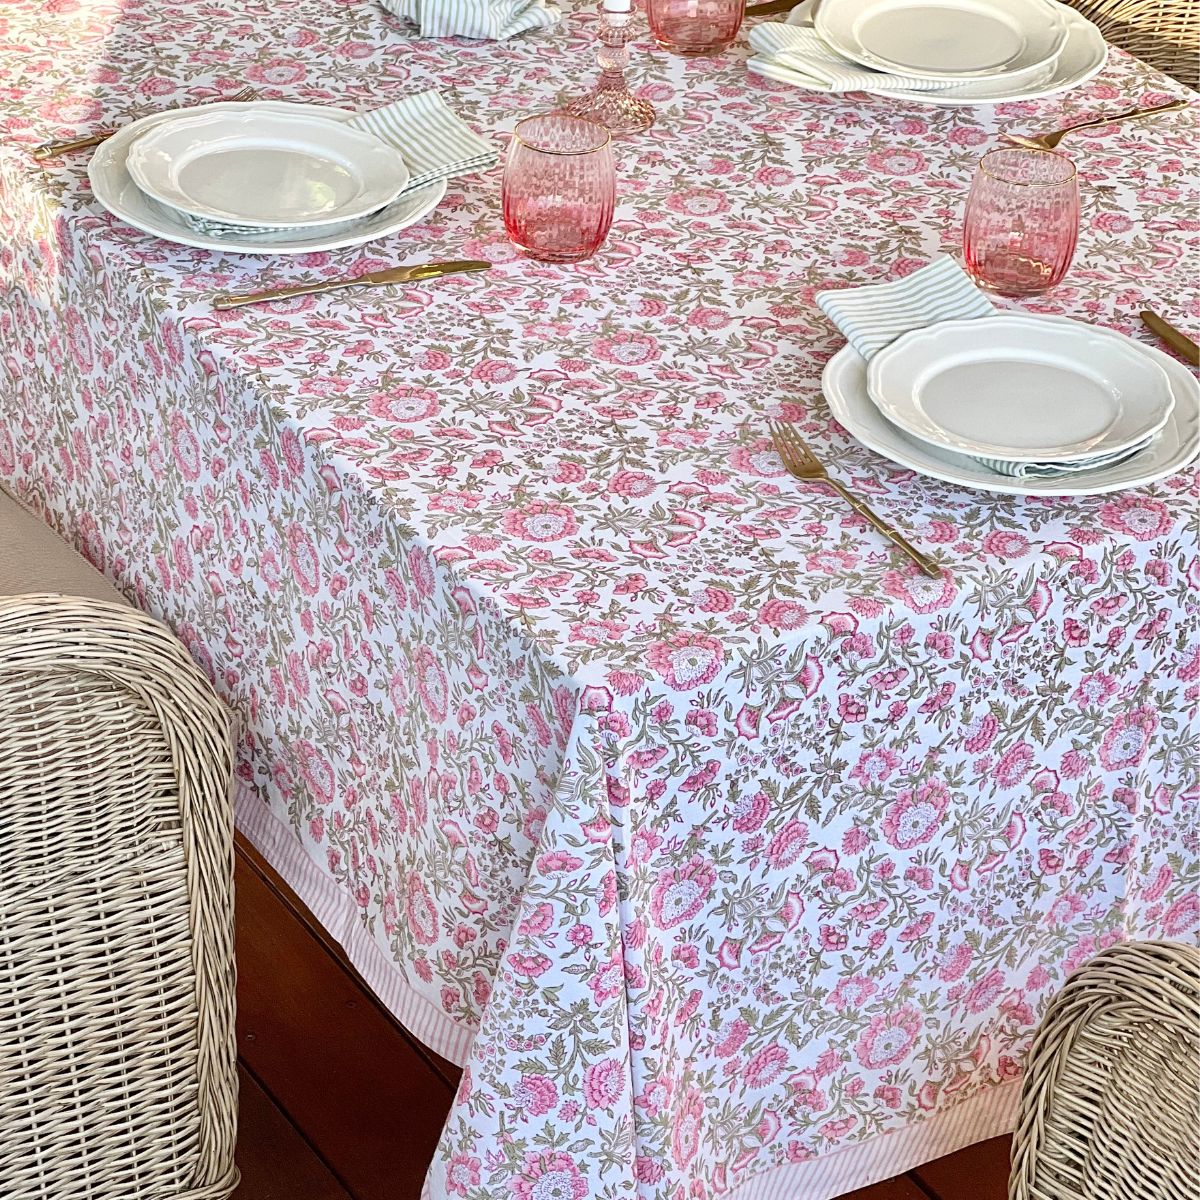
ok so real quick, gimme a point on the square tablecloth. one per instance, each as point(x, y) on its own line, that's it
point(730, 857)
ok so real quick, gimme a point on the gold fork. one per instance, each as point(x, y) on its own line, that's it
point(1049, 141)
point(54, 149)
point(803, 464)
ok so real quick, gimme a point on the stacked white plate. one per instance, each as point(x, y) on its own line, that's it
point(1027, 405)
point(262, 177)
point(982, 51)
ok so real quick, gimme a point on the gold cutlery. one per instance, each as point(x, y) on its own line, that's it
point(54, 149)
point(372, 279)
point(770, 8)
point(1048, 141)
point(803, 464)
point(1179, 342)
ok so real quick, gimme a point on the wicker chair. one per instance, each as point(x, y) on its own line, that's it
point(1164, 33)
point(1110, 1105)
point(117, 1056)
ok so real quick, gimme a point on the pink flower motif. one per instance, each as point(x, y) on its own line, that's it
point(788, 844)
point(757, 457)
point(680, 892)
point(1141, 517)
point(750, 811)
point(921, 594)
point(432, 684)
point(538, 521)
point(462, 1174)
point(302, 556)
point(955, 962)
point(1128, 739)
point(852, 993)
point(731, 1037)
point(608, 981)
point(537, 1094)
point(783, 614)
point(875, 766)
point(1182, 916)
point(1014, 765)
point(685, 1133)
point(765, 1066)
point(631, 484)
point(888, 1038)
point(985, 993)
point(603, 1083)
point(549, 1176)
point(626, 349)
point(980, 734)
point(687, 660)
point(1005, 543)
point(914, 817)
point(420, 911)
point(404, 403)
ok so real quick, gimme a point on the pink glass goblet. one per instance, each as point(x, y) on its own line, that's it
point(695, 26)
point(559, 187)
point(1022, 221)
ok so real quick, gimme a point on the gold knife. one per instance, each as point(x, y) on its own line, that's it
point(770, 7)
point(1179, 342)
point(372, 279)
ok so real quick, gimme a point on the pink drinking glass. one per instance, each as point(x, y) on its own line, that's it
point(559, 187)
point(1022, 221)
point(695, 26)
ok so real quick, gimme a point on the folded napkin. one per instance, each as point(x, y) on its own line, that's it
point(874, 316)
point(433, 141)
point(490, 20)
point(796, 54)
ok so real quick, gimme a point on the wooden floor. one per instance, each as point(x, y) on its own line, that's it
point(339, 1103)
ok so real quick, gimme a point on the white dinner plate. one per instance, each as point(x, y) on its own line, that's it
point(1082, 56)
point(1177, 444)
point(1021, 388)
point(944, 39)
point(250, 165)
point(116, 191)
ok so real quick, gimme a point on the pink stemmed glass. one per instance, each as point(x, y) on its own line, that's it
point(695, 26)
point(559, 187)
point(1022, 221)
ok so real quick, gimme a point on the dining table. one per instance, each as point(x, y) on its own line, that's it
point(728, 854)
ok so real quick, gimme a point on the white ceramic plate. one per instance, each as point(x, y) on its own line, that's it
point(1083, 55)
point(1021, 388)
point(944, 39)
point(1177, 444)
point(251, 165)
point(116, 191)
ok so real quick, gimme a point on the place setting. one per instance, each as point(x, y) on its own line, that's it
point(275, 177)
point(942, 54)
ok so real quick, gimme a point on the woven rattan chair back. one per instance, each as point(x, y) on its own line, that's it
point(117, 1057)
point(1110, 1104)
point(1164, 33)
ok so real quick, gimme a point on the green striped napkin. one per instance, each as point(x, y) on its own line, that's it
point(796, 54)
point(874, 316)
point(432, 139)
point(491, 20)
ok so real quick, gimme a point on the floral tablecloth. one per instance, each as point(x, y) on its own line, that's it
point(730, 857)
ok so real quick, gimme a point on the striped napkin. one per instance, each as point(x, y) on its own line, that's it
point(796, 54)
point(489, 20)
point(433, 141)
point(874, 316)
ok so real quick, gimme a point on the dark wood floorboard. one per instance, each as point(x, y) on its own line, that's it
point(350, 1080)
point(978, 1172)
point(339, 1102)
point(275, 1161)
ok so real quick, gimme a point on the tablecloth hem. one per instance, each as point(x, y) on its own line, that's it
point(338, 915)
point(987, 1114)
